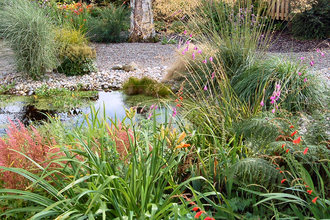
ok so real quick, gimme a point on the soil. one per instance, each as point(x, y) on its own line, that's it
point(284, 42)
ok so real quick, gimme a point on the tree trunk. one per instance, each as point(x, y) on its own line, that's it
point(142, 21)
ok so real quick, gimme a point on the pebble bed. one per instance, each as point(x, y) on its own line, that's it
point(152, 60)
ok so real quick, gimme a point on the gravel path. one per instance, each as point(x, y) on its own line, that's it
point(143, 54)
point(152, 60)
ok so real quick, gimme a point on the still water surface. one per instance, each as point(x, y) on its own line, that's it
point(114, 104)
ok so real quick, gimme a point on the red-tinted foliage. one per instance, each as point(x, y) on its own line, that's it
point(30, 143)
point(121, 137)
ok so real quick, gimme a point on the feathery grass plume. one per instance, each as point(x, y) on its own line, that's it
point(122, 137)
point(29, 32)
point(32, 145)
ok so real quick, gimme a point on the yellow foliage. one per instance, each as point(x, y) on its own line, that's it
point(70, 36)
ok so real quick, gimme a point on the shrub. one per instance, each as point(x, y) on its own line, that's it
point(146, 86)
point(77, 58)
point(109, 26)
point(313, 23)
point(30, 34)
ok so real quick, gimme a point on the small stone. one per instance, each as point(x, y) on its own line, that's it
point(130, 67)
point(30, 92)
point(117, 67)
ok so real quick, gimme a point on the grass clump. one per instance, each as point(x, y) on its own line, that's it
point(145, 86)
point(29, 32)
point(110, 26)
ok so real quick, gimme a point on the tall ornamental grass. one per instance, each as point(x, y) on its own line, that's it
point(29, 32)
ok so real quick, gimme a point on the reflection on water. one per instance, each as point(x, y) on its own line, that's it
point(113, 103)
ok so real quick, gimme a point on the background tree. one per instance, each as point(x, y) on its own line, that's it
point(142, 21)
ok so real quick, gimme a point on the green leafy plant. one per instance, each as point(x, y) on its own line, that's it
point(110, 26)
point(313, 22)
point(93, 183)
point(29, 32)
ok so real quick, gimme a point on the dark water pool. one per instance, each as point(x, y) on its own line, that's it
point(114, 104)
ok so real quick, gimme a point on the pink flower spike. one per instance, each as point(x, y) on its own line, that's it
point(211, 59)
point(149, 116)
point(322, 54)
point(302, 58)
point(174, 112)
point(205, 61)
point(318, 50)
point(273, 111)
point(195, 48)
point(183, 52)
point(185, 32)
point(188, 41)
point(205, 87)
point(200, 51)
point(193, 56)
point(190, 35)
point(299, 73)
point(311, 63)
point(262, 103)
point(213, 75)
point(305, 79)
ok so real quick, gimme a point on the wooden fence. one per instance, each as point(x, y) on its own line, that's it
point(279, 9)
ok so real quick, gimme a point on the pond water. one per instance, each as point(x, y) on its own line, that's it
point(114, 104)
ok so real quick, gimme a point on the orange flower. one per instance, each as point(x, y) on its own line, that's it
point(192, 203)
point(208, 218)
point(178, 105)
point(283, 180)
point(198, 214)
point(291, 126)
point(195, 209)
point(283, 145)
point(277, 168)
point(287, 150)
point(314, 200)
point(89, 6)
point(305, 151)
point(176, 100)
point(182, 145)
point(309, 191)
point(84, 19)
point(81, 9)
point(295, 132)
point(281, 171)
point(180, 98)
point(297, 141)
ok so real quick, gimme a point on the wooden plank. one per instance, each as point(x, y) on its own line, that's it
point(272, 2)
point(278, 10)
point(287, 9)
point(282, 9)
